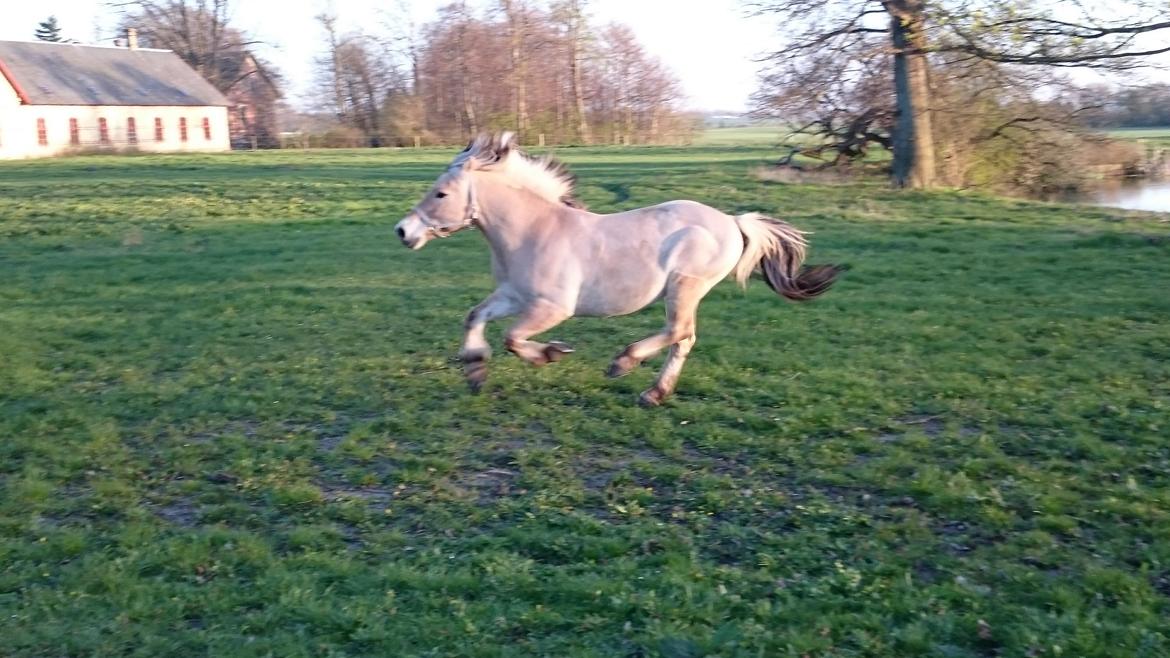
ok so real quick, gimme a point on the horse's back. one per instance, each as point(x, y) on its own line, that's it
point(634, 254)
point(697, 239)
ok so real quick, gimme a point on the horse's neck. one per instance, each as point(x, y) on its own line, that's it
point(508, 216)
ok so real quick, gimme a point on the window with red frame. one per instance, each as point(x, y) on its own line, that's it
point(74, 133)
point(158, 130)
point(183, 129)
point(103, 131)
point(42, 133)
point(207, 129)
point(131, 131)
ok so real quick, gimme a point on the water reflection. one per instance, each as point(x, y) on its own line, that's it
point(1151, 195)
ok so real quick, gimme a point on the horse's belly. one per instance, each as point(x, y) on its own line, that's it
point(620, 295)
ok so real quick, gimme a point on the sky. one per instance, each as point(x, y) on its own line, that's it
point(711, 45)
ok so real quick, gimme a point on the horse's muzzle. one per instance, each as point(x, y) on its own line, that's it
point(402, 236)
point(411, 232)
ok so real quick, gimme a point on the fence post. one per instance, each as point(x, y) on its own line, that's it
point(540, 139)
point(417, 141)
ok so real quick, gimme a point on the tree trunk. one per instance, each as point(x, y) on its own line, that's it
point(522, 101)
point(468, 106)
point(560, 109)
point(575, 83)
point(415, 76)
point(374, 133)
point(517, 27)
point(913, 139)
point(461, 54)
point(329, 22)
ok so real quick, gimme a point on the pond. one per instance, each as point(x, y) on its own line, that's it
point(1153, 195)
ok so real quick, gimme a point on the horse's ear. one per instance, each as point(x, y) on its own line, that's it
point(504, 143)
point(474, 149)
point(478, 143)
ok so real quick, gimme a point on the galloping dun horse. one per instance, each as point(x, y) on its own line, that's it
point(552, 259)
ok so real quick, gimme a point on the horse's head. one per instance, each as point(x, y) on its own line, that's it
point(450, 205)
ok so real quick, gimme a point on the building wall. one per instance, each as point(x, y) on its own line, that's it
point(19, 136)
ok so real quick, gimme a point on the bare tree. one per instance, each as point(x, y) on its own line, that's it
point(913, 142)
point(357, 75)
point(517, 17)
point(918, 36)
point(462, 52)
point(400, 39)
point(570, 14)
point(329, 65)
point(509, 67)
point(199, 32)
point(845, 113)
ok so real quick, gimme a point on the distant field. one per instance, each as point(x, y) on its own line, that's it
point(232, 424)
point(741, 136)
point(1152, 136)
point(1142, 133)
point(770, 136)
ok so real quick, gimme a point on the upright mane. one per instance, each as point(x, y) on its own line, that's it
point(544, 176)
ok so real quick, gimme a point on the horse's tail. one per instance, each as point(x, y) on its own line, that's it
point(778, 249)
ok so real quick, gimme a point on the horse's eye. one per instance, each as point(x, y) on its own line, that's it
point(440, 195)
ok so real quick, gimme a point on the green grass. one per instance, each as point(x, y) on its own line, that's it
point(1141, 133)
point(1159, 137)
point(755, 135)
point(232, 424)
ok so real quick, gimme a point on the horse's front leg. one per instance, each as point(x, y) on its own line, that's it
point(476, 351)
point(539, 316)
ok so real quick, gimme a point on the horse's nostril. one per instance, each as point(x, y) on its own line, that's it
point(401, 233)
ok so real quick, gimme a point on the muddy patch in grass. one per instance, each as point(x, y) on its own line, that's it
point(180, 511)
point(931, 426)
point(490, 484)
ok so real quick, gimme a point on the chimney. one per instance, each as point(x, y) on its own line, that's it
point(132, 38)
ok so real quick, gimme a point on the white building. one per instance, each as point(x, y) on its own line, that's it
point(58, 98)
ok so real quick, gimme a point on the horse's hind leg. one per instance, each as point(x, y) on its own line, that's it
point(668, 378)
point(540, 316)
point(683, 294)
point(476, 351)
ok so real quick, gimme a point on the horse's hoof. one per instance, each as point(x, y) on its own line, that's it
point(556, 350)
point(476, 374)
point(651, 397)
point(621, 366)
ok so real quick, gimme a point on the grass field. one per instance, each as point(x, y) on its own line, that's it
point(232, 424)
point(1154, 137)
point(756, 135)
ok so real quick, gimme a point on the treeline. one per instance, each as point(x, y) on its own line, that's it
point(1145, 106)
point(542, 70)
point(537, 67)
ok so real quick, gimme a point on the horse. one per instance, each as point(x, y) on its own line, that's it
point(552, 259)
